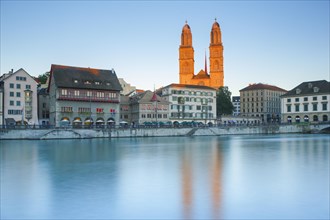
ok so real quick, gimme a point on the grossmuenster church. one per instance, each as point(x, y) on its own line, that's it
point(186, 59)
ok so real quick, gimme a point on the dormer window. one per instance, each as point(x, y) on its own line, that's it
point(75, 81)
point(316, 89)
point(87, 82)
point(298, 91)
point(97, 83)
point(310, 85)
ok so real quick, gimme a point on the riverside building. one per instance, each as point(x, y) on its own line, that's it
point(148, 107)
point(19, 104)
point(83, 96)
point(262, 100)
point(191, 103)
point(307, 102)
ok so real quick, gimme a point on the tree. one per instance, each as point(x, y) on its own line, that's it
point(224, 104)
point(43, 77)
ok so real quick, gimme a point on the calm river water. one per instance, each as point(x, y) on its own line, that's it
point(233, 177)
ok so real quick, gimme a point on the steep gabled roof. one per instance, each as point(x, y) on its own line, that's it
point(10, 74)
point(84, 78)
point(310, 88)
point(260, 86)
point(148, 97)
point(201, 75)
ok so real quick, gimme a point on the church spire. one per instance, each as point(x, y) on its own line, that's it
point(205, 68)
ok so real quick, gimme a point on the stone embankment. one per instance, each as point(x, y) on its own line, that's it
point(40, 134)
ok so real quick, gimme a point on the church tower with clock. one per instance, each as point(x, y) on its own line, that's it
point(186, 59)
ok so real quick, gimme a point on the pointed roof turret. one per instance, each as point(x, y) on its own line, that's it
point(186, 36)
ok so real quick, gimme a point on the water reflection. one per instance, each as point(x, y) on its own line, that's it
point(236, 177)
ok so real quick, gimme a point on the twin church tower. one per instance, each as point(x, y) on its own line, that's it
point(186, 59)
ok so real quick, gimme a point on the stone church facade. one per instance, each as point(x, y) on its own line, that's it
point(213, 79)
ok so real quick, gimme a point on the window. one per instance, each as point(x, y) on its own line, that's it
point(198, 107)
point(297, 108)
point(18, 103)
point(28, 87)
point(305, 99)
point(297, 99)
point(66, 109)
point(11, 94)
point(324, 97)
point(314, 98)
point(89, 93)
point(44, 105)
point(11, 85)
point(76, 92)
point(20, 78)
point(75, 81)
point(314, 106)
point(18, 94)
point(99, 110)
point(18, 86)
point(11, 102)
point(305, 107)
point(288, 108)
point(324, 106)
point(64, 92)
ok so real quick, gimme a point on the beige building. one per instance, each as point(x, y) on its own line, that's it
point(262, 100)
point(148, 107)
point(308, 102)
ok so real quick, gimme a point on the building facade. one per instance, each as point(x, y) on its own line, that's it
point(19, 98)
point(235, 100)
point(262, 100)
point(187, 75)
point(43, 106)
point(148, 107)
point(191, 103)
point(307, 102)
point(83, 96)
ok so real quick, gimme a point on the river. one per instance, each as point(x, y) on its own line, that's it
point(218, 177)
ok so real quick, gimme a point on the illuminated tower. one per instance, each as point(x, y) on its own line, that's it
point(216, 57)
point(186, 56)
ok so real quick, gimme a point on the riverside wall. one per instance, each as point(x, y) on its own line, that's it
point(41, 134)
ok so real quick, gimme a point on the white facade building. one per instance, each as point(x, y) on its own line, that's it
point(191, 103)
point(308, 102)
point(237, 105)
point(19, 97)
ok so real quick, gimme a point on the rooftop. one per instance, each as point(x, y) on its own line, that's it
point(310, 88)
point(84, 78)
point(260, 86)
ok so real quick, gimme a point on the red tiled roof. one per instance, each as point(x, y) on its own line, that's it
point(262, 86)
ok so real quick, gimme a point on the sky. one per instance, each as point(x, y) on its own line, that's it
point(281, 43)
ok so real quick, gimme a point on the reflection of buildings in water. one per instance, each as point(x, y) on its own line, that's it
point(187, 184)
point(216, 188)
point(215, 184)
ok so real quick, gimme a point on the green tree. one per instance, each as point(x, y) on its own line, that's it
point(43, 77)
point(224, 104)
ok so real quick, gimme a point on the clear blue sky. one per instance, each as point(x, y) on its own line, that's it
point(275, 42)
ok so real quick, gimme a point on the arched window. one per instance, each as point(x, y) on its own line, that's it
point(297, 118)
point(216, 65)
point(65, 121)
point(289, 119)
point(315, 118)
point(77, 122)
point(306, 118)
